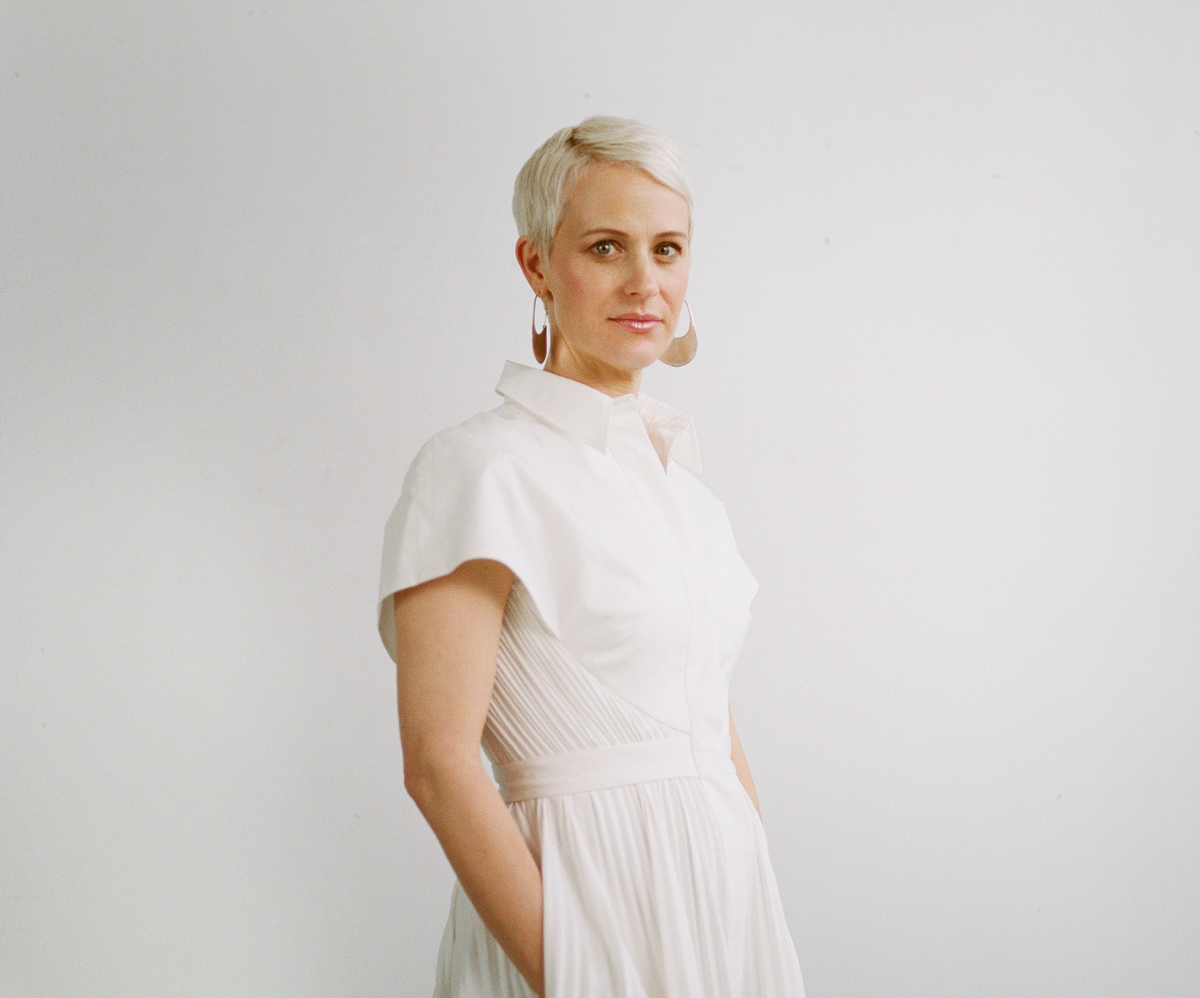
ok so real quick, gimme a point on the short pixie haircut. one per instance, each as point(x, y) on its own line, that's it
point(549, 175)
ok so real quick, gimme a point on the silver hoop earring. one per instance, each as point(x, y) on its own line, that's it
point(681, 349)
point(540, 340)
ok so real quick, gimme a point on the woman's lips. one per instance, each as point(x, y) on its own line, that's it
point(637, 321)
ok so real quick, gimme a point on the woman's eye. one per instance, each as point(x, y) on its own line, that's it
point(604, 248)
point(669, 249)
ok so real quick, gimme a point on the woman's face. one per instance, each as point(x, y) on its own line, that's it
point(615, 278)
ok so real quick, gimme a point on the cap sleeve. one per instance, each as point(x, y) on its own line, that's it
point(461, 501)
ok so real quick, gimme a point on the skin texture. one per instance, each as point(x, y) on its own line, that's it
point(741, 765)
point(447, 636)
point(621, 250)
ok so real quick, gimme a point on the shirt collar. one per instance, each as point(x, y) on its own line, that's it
point(585, 413)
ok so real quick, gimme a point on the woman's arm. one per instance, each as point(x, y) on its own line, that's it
point(447, 635)
point(742, 766)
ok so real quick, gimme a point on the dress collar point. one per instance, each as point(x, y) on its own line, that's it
point(584, 412)
point(686, 449)
point(571, 406)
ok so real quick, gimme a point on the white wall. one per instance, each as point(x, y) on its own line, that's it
point(251, 255)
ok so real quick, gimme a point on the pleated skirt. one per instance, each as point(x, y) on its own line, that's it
point(654, 888)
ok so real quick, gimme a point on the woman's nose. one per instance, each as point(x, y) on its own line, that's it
point(641, 279)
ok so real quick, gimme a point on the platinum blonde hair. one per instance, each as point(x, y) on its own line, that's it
point(550, 174)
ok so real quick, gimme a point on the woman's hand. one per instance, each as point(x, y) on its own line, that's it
point(741, 765)
point(447, 636)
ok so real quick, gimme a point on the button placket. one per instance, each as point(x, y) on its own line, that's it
point(631, 447)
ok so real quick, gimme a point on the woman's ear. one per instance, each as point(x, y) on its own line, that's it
point(532, 265)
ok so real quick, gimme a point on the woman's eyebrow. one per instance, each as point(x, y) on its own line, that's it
point(672, 234)
point(602, 232)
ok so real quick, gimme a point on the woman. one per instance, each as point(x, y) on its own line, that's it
point(559, 585)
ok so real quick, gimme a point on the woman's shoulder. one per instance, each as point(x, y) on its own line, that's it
point(495, 432)
point(505, 439)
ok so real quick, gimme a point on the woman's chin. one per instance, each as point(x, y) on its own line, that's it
point(641, 353)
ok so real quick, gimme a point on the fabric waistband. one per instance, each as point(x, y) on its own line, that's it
point(595, 769)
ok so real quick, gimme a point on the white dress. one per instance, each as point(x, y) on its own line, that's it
point(608, 728)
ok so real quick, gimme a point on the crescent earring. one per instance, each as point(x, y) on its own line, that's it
point(682, 348)
point(539, 339)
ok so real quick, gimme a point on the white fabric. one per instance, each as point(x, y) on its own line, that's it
point(608, 724)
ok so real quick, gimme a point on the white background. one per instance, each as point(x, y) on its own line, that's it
point(946, 283)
